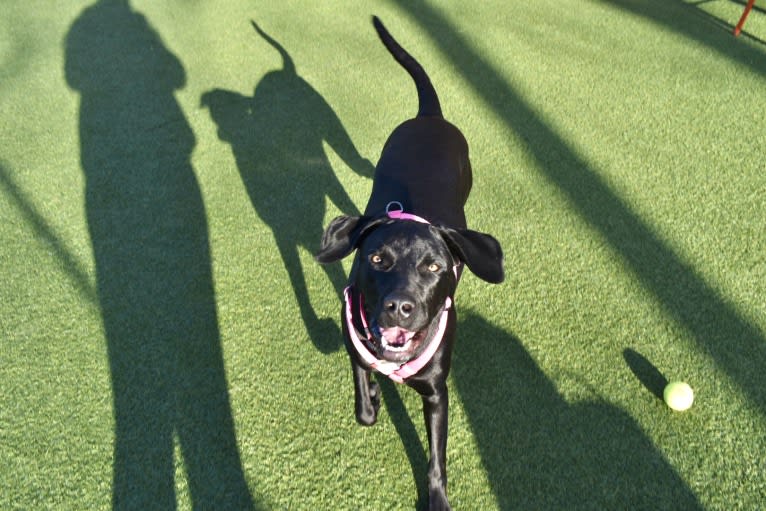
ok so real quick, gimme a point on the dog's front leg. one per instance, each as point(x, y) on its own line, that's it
point(366, 395)
point(435, 408)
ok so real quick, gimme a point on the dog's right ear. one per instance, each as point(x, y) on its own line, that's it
point(342, 236)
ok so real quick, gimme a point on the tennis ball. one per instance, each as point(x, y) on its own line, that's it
point(679, 396)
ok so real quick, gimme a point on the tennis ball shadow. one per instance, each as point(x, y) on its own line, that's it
point(544, 452)
point(649, 376)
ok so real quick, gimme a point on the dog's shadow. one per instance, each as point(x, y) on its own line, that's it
point(277, 138)
point(543, 452)
point(540, 451)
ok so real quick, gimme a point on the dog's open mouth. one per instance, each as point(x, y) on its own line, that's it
point(398, 344)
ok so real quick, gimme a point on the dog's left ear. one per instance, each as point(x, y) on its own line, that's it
point(342, 236)
point(481, 252)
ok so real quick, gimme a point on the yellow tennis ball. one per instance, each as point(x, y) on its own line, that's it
point(679, 396)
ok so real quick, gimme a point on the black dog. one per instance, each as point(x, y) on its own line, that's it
point(411, 242)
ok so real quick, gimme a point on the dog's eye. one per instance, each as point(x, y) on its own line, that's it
point(433, 267)
point(376, 259)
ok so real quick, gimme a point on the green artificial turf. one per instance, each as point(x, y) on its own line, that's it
point(167, 341)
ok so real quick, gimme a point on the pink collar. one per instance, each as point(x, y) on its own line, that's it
point(399, 214)
point(397, 372)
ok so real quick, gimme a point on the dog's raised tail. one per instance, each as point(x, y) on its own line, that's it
point(287, 62)
point(427, 99)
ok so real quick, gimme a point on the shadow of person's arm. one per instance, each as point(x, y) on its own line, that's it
point(231, 112)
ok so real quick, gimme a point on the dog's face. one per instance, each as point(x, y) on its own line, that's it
point(405, 271)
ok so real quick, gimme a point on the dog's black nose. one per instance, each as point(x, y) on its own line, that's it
point(398, 307)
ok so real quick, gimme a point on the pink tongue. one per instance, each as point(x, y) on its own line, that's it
point(397, 336)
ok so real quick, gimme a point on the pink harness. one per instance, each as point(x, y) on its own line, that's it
point(397, 372)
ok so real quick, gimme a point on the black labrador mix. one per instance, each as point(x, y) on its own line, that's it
point(411, 243)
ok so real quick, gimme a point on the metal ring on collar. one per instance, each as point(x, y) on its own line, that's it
point(394, 203)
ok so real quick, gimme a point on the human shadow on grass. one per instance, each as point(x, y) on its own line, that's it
point(148, 229)
point(720, 330)
point(277, 137)
point(542, 452)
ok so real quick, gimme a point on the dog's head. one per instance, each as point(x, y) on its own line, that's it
point(405, 271)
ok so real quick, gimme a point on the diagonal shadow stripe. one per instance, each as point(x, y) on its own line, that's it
point(71, 266)
point(736, 345)
point(683, 18)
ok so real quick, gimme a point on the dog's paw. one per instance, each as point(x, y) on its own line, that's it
point(375, 395)
point(437, 501)
point(367, 416)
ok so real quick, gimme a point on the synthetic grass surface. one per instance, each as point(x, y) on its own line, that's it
point(168, 341)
